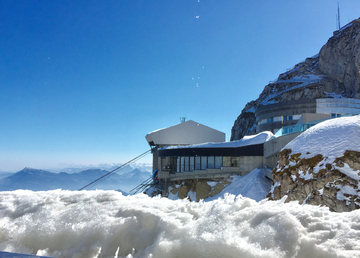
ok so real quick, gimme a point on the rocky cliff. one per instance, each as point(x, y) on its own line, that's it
point(322, 166)
point(333, 73)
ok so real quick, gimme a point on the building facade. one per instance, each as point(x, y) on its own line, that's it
point(275, 116)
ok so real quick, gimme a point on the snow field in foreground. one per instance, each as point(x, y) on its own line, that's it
point(108, 224)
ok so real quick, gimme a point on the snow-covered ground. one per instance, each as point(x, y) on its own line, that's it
point(253, 185)
point(108, 224)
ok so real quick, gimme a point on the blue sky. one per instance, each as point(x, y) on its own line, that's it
point(84, 81)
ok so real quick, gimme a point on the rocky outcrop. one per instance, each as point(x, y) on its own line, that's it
point(198, 189)
point(334, 72)
point(329, 186)
point(321, 166)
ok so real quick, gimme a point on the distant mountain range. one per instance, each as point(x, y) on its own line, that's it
point(76, 168)
point(42, 180)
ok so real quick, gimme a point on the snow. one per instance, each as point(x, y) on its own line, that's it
point(107, 224)
point(252, 109)
point(245, 141)
point(192, 195)
point(253, 185)
point(346, 26)
point(306, 176)
point(302, 80)
point(333, 95)
point(330, 138)
point(273, 188)
point(212, 183)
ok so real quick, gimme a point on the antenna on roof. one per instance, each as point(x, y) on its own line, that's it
point(338, 17)
point(182, 119)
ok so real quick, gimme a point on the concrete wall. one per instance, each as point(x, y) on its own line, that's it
point(249, 163)
point(272, 161)
point(272, 147)
point(307, 117)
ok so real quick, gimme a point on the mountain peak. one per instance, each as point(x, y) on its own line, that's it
point(333, 72)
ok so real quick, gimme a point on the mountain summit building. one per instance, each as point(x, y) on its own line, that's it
point(182, 134)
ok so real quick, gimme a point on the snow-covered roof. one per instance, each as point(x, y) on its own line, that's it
point(245, 141)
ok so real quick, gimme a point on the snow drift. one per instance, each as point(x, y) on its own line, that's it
point(108, 224)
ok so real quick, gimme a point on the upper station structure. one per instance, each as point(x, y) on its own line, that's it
point(191, 150)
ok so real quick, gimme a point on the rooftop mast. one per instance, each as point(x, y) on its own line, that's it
point(338, 18)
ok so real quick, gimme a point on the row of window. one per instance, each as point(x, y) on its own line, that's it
point(279, 119)
point(189, 164)
point(333, 115)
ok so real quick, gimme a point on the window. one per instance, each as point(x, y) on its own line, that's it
point(218, 162)
point(203, 163)
point(178, 164)
point(182, 164)
point(197, 163)
point(186, 166)
point(290, 117)
point(211, 162)
point(277, 119)
point(191, 164)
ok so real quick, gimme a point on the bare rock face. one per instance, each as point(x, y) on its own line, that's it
point(334, 72)
point(244, 124)
point(295, 178)
point(186, 189)
point(340, 60)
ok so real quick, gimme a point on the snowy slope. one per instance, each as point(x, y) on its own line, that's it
point(253, 185)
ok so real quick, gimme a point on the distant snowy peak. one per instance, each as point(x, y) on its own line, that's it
point(333, 73)
point(28, 170)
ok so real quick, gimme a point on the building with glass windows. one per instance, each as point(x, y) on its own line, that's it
point(185, 133)
point(193, 151)
point(210, 160)
point(275, 116)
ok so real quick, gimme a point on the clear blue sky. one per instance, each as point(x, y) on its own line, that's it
point(84, 81)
